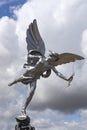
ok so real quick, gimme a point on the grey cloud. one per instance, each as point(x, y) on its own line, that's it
point(62, 100)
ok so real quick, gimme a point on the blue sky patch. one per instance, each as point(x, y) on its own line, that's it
point(74, 117)
point(6, 5)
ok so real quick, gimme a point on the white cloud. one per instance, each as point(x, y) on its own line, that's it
point(84, 42)
point(62, 25)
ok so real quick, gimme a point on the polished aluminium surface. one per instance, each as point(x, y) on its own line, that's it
point(38, 65)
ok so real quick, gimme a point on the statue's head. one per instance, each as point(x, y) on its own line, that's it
point(33, 57)
point(54, 56)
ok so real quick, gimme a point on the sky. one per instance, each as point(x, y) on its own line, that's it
point(7, 6)
point(63, 27)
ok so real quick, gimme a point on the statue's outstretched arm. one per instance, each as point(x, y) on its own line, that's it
point(62, 76)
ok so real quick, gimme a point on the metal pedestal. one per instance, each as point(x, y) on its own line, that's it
point(23, 123)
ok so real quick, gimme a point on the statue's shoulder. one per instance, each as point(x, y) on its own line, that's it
point(48, 60)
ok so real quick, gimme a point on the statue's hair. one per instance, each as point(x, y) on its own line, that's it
point(34, 52)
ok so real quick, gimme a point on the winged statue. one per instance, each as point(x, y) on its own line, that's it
point(38, 64)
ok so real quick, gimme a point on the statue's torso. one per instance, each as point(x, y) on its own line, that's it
point(37, 70)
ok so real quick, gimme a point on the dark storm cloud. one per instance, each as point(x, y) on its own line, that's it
point(63, 101)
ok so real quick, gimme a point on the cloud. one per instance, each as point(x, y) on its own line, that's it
point(53, 120)
point(62, 25)
point(84, 41)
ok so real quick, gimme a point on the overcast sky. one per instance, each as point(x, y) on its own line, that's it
point(63, 27)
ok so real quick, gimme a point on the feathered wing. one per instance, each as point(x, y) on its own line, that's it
point(34, 40)
point(67, 58)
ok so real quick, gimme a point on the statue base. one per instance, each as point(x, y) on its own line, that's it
point(23, 123)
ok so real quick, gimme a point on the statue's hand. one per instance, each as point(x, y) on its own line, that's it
point(70, 79)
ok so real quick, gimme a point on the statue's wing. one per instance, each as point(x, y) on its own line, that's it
point(34, 40)
point(67, 58)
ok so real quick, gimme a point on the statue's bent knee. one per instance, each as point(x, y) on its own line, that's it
point(47, 74)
